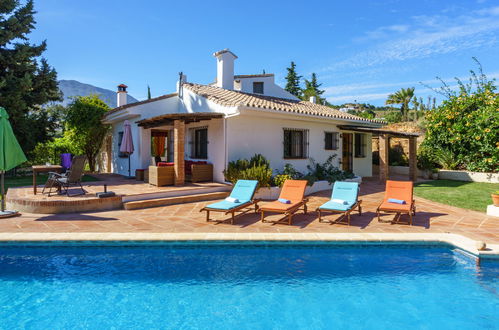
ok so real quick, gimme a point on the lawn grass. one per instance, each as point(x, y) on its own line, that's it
point(467, 195)
point(20, 181)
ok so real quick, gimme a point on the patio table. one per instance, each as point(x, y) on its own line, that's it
point(42, 169)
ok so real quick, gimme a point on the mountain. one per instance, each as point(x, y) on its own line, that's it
point(75, 88)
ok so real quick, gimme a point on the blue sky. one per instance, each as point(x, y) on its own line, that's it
point(360, 50)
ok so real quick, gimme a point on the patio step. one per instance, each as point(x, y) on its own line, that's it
point(156, 202)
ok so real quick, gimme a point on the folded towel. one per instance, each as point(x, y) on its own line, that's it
point(339, 201)
point(232, 200)
point(396, 201)
point(284, 201)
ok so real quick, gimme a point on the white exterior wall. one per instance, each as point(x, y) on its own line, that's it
point(247, 133)
point(364, 166)
point(258, 132)
point(141, 157)
point(120, 165)
point(269, 87)
point(216, 145)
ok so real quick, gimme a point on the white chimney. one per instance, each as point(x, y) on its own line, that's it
point(313, 99)
point(225, 68)
point(121, 95)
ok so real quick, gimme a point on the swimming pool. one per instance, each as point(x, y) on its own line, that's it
point(256, 285)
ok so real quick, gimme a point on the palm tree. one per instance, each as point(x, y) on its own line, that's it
point(403, 97)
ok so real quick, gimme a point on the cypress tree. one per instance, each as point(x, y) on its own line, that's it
point(293, 81)
point(26, 79)
point(148, 92)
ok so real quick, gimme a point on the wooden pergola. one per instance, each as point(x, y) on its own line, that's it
point(384, 136)
point(178, 120)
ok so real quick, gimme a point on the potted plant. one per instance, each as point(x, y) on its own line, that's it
point(495, 198)
point(434, 173)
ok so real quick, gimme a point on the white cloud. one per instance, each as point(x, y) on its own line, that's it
point(366, 92)
point(426, 36)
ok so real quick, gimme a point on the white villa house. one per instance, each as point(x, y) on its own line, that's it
point(236, 117)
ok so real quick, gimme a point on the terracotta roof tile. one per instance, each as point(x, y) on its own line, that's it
point(231, 98)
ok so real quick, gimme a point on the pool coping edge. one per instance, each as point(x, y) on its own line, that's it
point(459, 241)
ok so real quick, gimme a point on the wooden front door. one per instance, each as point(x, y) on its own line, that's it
point(347, 155)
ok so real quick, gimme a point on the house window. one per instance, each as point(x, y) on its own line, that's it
point(258, 87)
point(199, 143)
point(295, 143)
point(331, 140)
point(360, 145)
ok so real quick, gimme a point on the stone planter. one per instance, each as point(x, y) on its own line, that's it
point(495, 199)
point(434, 176)
point(271, 193)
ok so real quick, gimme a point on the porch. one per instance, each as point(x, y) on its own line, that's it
point(384, 137)
point(179, 139)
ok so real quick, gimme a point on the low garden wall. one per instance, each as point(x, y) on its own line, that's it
point(468, 176)
point(271, 193)
point(447, 174)
point(401, 170)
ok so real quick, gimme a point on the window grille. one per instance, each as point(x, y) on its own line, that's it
point(295, 143)
point(331, 140)
point(258, 87)
point(199, 142)
point(360, 145)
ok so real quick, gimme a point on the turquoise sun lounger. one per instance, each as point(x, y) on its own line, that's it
point(239, 200)
point(344, 199)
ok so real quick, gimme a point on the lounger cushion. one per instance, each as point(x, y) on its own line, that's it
point(347, 191)
point(278, 206)
point(330, 205)
point(225, 205)
point(294, 190)
point(401, 190)
point(395, 207)
point(244, 190)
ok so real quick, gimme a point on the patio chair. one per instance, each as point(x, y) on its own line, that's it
point(72, 178)
point(240, 200)
point(291, 199)
point(398, 199)
point(344, 199)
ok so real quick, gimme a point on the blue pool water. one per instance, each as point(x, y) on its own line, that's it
point(245, 286)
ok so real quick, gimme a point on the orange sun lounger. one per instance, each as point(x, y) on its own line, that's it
point(292, 191)
point(397, 192)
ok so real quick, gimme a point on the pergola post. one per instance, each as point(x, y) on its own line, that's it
point(384, 147)
point(413, 160)
point(178, 151)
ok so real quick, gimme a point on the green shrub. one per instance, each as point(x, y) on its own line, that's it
point(326, 171)
point(397, 157)
point(425, 159)
point(257, 168)
point(393, 117)
point(50, 151)
point(446, 159)
point(280, 178)
point(466, 125)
